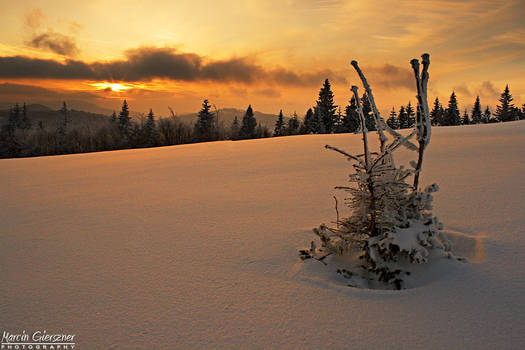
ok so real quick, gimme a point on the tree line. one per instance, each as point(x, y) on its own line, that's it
point(20, 137)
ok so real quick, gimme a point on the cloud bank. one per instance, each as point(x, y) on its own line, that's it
point(148, 63)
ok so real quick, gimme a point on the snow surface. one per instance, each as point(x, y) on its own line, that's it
point(195, 246)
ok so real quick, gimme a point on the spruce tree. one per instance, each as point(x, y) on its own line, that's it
point(235, 128)
point(114, 117)
point(392, 121)
point(465, 120)
point(476, 112)
point(150, 130)
point(293, 125)
point(411, 116)
point(205, 124)
point(403, 118)
point(487, 116)
point(249, 123)
point(124, 121)
point(351, 118)
point(279, 125)
point(436, 115)
point(26, 123)
point(325, 108)
point(452, 116)
point(506, 111)
point(62, 129)
point(309, 126)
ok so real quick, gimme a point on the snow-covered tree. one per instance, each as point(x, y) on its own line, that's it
point(391, 222)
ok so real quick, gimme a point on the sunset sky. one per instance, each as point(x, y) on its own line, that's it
point(272, 54)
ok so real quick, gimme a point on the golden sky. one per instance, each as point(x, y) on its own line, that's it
point(272, 54)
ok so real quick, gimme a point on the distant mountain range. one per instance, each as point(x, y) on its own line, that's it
point(51, 117)
point(227, 115)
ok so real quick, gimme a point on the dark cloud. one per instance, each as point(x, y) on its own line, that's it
point(146, 63)
point(55, 42)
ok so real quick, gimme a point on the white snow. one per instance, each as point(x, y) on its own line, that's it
point(195, 246)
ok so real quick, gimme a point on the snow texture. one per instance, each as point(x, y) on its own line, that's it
point(195, 246)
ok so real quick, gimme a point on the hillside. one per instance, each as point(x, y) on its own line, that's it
point(51, 118)
point(195, 247)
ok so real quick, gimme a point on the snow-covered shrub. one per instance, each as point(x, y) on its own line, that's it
point(391, 224)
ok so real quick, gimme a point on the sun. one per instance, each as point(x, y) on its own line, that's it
point(115, 87)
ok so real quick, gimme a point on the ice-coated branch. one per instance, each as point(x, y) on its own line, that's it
point(344, 153)
point(377, 116)
point(423, 121)
point(363, 126)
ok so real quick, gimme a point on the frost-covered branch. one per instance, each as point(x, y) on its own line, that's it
point(363, 126)
point(423, 126)
point(377, 116)
point(344, 153)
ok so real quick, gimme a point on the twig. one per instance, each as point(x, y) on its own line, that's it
point(343, 153)
point(336, 212)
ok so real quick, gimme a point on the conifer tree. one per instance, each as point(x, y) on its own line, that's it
point(403, 118)
point(249, 123)
point(436, 115)
point(411, 116)
point(279, 125)
point(205, 124)
point(124, 121)
point(113, 117)
point(506, 111)
point(325, 108)
point(487, 116)
point(351, 118)
point(62, 129)
point(476, 112)
point(26, 123)
point(293, 125)
point(309, 126)
point(452, 116)
point(150, 130)
point(235, 129)
point(392, 121)
point(465, 120)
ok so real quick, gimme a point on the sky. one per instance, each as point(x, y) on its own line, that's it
point(270, 54)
